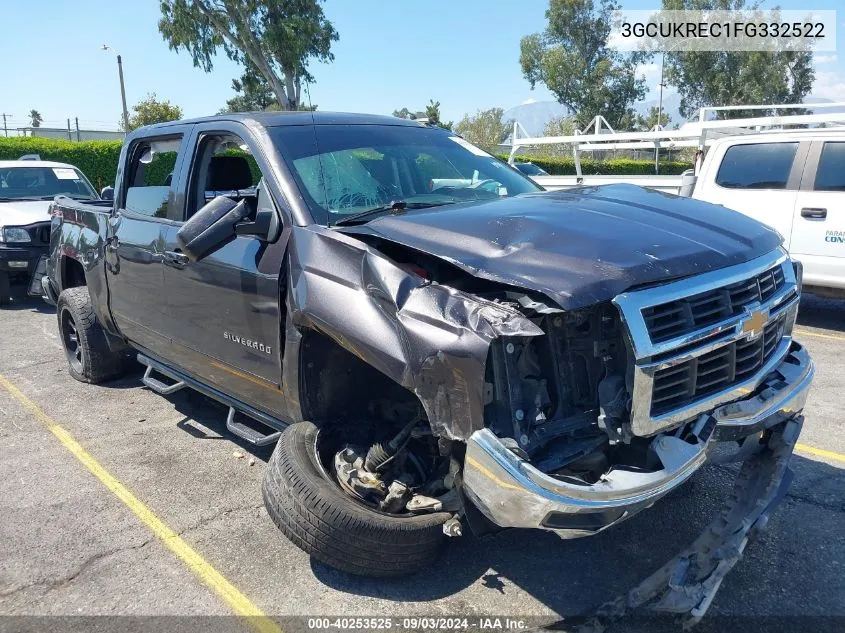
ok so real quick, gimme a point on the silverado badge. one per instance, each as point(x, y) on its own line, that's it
point(240, 340)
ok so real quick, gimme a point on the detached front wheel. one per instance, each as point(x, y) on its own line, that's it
point(88, 354)
point(320, 518)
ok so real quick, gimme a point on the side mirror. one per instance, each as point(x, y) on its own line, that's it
point(107, 193)
point(212, 227)
point(688, 180)
point(266, 225)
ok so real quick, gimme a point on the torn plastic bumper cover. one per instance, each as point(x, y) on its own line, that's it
point(512, 493)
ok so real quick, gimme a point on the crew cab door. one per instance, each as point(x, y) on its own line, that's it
point(758, 179)
point(226, 311)
point(818, 230)
point(134, 240)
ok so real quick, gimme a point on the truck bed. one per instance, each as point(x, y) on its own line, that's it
point(95, 206)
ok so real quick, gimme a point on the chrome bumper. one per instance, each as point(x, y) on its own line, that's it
point(512, 493)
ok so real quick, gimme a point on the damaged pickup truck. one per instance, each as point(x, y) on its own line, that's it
point(434, 343)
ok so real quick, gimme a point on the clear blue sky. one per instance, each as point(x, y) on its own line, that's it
point(463, 53)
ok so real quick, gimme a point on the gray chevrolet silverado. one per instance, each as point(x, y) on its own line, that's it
point(433, 343)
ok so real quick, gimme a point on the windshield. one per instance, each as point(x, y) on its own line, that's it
point(345, 170)
point(43, 183)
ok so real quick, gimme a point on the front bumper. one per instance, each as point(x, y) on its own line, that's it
point(512, 493)
point(28, 254)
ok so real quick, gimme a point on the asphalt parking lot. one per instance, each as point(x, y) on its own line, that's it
point(70, 546)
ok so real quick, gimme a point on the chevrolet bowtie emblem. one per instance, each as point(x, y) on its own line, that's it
point(755, 322)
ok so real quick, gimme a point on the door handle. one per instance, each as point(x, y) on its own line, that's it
point(814, 214)
point(112, 243)
point(175, 259)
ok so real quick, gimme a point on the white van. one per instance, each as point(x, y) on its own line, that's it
point(793, 181)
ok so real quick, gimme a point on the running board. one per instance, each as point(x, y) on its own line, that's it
point(236, 428)
point(158, 386)
point(248, 433)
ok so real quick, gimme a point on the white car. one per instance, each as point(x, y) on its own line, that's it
point(27, 187)
point(795, 183)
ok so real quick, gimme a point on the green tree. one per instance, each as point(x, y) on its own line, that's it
point(35, 119)
point(431, 112)
point(646, 123)
point(486, 129)
point(405, 113)
point(572, 58)
point(254, 94)
point(277, 38)
point(150, 110)
point(558, 126)
point(717, 78)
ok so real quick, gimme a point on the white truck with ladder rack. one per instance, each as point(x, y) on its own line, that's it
point(786, 171)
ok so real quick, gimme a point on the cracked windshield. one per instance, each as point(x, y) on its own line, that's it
point(350, 170)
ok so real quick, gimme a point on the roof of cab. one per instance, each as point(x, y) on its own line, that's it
point(273, 119)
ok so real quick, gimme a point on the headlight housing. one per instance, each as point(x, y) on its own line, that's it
point(13, 234)
point(799, 274)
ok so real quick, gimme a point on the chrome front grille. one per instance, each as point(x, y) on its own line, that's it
point(669, 320)
point(699, 377)
point(707, 340)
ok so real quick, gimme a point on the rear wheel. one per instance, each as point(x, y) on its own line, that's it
point(318, 516)
point(88, 354)
point(5, 289)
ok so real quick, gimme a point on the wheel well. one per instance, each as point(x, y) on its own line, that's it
point(337, 385)
point(73, 275)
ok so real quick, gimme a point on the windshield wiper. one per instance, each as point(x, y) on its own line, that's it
point(27, 198)
point(395, 207)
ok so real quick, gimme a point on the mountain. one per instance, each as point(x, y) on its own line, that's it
point(811, 100)
point(534, 115)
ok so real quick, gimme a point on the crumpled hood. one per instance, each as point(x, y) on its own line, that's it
point(23, 212)
point(581, 246)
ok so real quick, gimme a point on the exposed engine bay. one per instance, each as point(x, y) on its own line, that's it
point(560, 401)
point(563, 399)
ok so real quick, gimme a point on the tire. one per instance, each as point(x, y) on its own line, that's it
point(325, 522)
point(89, 357)
point(5, 289)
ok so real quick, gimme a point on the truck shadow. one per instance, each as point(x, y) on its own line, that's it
point(822, 312)
point(205, 419)
point(22, 301)
point(573, 577)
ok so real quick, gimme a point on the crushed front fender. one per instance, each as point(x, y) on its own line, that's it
point(430, 338)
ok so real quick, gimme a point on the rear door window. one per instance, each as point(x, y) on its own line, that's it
point(757, 166)
point(830, 175)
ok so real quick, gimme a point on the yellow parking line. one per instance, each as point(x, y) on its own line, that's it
point(820, 452)
point(834, 337)
point(237, 602)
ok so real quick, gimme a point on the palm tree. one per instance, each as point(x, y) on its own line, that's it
point(35, 118)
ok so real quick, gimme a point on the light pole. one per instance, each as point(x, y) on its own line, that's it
point(662, 64)
point(106, 47)
point(660, 102)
